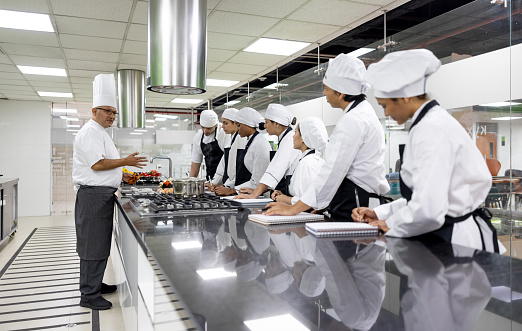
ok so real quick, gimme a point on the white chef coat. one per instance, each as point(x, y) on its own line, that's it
point(448, 176)
point(305, 172)
point(355, 151)
point(222, 138)
point(239, 143)
point(284, 161)
point(257, 159)
point(92, 144)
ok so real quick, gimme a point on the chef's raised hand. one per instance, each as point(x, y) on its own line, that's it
point(381, 225)
point(364, 214)
point(277, 208)
point(136, 161)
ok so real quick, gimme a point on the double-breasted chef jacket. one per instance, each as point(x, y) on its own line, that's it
point(229, 159)
point(256, 160)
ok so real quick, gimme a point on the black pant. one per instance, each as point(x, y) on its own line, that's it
point(91, 276)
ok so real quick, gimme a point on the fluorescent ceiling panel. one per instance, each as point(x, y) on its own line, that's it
point(276, 323)
point(361, 51)
point(184, 100)
point(25, 21)
point(276, 46)
point(221, 82)
point(216, 273)
point(231, 103)
point(55, 94)
point(170, 117)
point(28, 70)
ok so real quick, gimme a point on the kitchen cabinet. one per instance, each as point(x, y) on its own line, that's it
point(8, 207)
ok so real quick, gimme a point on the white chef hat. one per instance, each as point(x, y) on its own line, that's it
point(313, 282)
point(402, 74)
point(104, 91)
point(208, 257)
point(279, 114)
point(258, 237)
point(314, 133)
point(230, 114)
point(208, 118)
point(249, 116)
point(345, 75)
point(249, 271)
point(279, 283)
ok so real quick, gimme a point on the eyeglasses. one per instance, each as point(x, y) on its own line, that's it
point(115, 113)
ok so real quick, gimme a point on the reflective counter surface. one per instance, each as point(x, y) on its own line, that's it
point(243, 276)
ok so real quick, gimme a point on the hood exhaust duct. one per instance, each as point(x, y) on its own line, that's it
point(177, 46)
point(131, 98)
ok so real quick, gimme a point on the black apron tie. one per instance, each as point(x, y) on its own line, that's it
point(226, 155)
point(212, 153)
point(242, 173)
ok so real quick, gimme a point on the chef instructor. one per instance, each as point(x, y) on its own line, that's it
point(97, 173)
point(209, 143)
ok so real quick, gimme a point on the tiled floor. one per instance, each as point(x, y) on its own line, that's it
point(39, 291)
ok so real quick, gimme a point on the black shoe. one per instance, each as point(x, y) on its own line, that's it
point(98, 303)
point(106, 289)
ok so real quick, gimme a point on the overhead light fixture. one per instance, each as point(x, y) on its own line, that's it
point(282, 322)
point(276, 46)
point(28, 70)
point(506, 118)
point(275, 86)
point(140, 130)
point(361, 51)
point(55, 94)
point(500, 104)
point(25, 21)
point(231, 103)
point(185, 100)
point(73, 125)
point(57, 111)
point(187, 244)
point(150, 121)
point(136, 133)
point(216, 273)
point(221, 82)
point(72, 119)
point(170, 117)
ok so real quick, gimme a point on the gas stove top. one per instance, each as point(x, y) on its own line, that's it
point(155, 204)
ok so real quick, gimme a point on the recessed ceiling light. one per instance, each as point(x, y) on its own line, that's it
point(55, 94)
point(361, 51)
point(57, 111)
point(221, 82)
point(208, 274)
point(25, 21)
point(499, 104)
point(231, 103)
point(282, 322)
point(276, 46)
point(185, 100)
point(275, 86)
point(170, 117)
point(28, 70)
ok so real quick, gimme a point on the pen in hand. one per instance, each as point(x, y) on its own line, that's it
point(358, 205)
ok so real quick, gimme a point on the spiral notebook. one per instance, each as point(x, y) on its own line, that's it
point(341, 229)
point(272, 220)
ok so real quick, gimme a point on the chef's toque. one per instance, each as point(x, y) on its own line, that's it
point(279, 283)
point(208, 118)
point(249, 271)
point(314, 133)
point(230, 114)
point(345, 75)
point(402, 74)
point(104, 91)
point(279, 114)
point(249, 116)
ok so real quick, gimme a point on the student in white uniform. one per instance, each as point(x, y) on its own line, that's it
point(208, 143)
point(253, 160)
point(444, 178)
point(284, 160)
point(224, 180)
point(354, 157)
point(311, 139)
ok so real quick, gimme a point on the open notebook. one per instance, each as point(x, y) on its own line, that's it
point(249, 203)
point(271, 220)
point(341, 229)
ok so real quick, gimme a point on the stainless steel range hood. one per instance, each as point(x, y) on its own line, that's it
point(131, 98)
point(177, 58)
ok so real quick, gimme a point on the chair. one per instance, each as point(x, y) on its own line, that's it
point(493, 166)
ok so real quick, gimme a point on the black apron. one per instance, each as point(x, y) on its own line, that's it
point(445, 232)
point(212, 153)
point(242, 173)
point(226, 156)
point(285, 181)
point(93, 216)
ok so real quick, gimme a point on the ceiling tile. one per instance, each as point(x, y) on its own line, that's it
point(138, 32)
point(18, 81)
point(113, 10)
point(91, 65)
point(271, 8)
point(241, 68)
point(248, 25)
point(294, 30)
point(28, 37)
point(83, 73)
point(84, 82)
point(16, 88)
point(228, 41)
point(18, 94)
point(5, 59)
point(8, 68)
point(221, 55)
point(133, 59)
point(211, 4)
point(346, 12)
point(132, 66)
point(40, 78)
point(55, 89)
point(37, 61)
point(256, 59)
point(31, 6)
point(77, 54)
point(21, 49)
point(90, 43)
point(211, 65)
point(141, 13)
point(135, 47)
point(40, 86)
point(228, 75)
point(90, 27)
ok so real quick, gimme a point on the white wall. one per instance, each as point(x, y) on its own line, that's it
point(25, 153)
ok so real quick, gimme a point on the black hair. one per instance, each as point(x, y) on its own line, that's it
point(350, 98)
point(294, 120)
point(261, 125)
point(420, 97)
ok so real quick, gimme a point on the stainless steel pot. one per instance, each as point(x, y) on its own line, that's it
point(188, 187)
point(179, 188)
